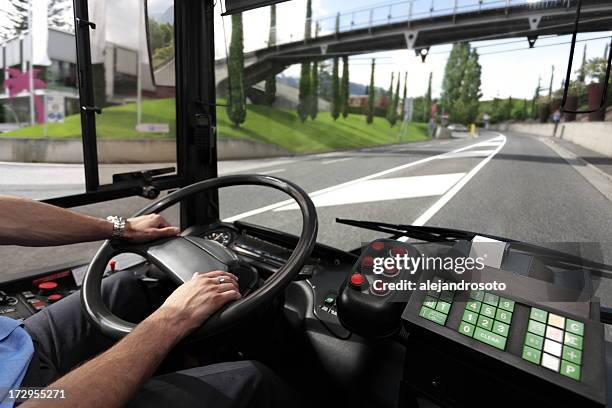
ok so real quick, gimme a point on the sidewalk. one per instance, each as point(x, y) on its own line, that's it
point(600, 161)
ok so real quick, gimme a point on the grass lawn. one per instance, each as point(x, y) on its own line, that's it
point(264, 124)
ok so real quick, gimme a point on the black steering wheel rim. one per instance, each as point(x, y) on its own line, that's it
point(112, 326)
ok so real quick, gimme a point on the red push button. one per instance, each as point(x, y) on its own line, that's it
point(367, 262)
point(47, 285)
point(377, 246)
point(398, 251)
point(357, 280)
point(54, 298)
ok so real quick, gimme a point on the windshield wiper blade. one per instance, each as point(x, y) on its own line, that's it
point(437, 234)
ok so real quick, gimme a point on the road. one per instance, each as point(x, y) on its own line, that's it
point(509, 185)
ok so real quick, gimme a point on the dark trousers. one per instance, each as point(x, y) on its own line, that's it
point(63, 339)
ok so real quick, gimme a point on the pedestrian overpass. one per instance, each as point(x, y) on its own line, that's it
point(418, 25)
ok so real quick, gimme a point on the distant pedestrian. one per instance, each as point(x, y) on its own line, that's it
point(431, 127)
point(556, 119)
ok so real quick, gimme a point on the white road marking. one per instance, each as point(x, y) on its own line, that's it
point(431, 211)
point(273, 171)
point(368, 191)
point(238, 166)
point(341, 185)
point(468, 153)
point(336, 160)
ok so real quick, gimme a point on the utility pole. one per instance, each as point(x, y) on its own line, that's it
point(550, 88)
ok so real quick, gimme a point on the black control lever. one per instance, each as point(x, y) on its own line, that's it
point(145, 179)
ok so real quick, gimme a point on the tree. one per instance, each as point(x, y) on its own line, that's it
point(507, 109)
point(344, 87)
point(582, 69)
point(550, 88)
point(314, 82)
point(270, 87)
point(519, 111)
point(304, 102)
point(394, 102)
point(236, 107)
point(371, 95)
point(17, 15)
point(536, 96)
point(405, 95)
point(335, 102)
point(59, 14)
point(453, 76)
point(466, 108)
point(427, 101)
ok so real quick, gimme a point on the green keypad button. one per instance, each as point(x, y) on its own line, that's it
point(430, 302)
point(443, 307)
point(538, 314)
point(485, 322)
point(573, 341)
point(477, 295)
point(470, 317)
point(572, 355)
point(574, 326)
point(501, 328)
point(503, 316)
point(488, 311)
point(466, 328)
point(531, 354)
point(534, 341)
point(506, 304)
point(489, 338)
point(433, 293)
point(491, 299)
point(570, 370)
point(536, 327)
point(433, 315)
point(473, 305)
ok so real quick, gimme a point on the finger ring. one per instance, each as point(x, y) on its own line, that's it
point(221, 279)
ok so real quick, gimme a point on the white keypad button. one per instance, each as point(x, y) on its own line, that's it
point(556, 320)
point(552, 347)
point(550, 362)
point(554, 334)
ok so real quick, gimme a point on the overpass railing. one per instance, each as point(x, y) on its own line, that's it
point(407, 11)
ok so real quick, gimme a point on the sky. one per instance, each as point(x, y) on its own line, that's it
point(504, 74)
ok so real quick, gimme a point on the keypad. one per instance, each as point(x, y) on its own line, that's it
point(487, 318)
point(437, 305)
point(554, 342)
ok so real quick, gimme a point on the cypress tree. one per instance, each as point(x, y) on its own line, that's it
point(394, 104)
point(466, 108)
point(390, 99)
point(371, 96)
point(453, 76)
point(536, 96)
point(404, 97)
point(236, 107)
point(270, 89)
point(314, 83)
point(335, 103)
point(344, 88)
point(550, 87)
point(427, 102)
point(304, 104)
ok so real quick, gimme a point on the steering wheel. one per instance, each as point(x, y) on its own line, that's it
point(180, 257)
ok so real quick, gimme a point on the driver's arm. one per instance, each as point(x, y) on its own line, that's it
point(32, 223)
point(111, 379)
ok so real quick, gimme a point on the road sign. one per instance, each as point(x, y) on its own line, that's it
point(56, 109)
point(153, 128)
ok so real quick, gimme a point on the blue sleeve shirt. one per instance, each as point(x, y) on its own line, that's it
point(16, 351)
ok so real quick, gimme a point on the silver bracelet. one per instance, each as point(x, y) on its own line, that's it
point(118, 225)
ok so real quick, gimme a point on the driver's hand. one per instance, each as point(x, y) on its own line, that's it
point(194, 301)
point(148, 227)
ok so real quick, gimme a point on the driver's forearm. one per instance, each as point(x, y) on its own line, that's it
point(111, 379)
point(31, 223)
